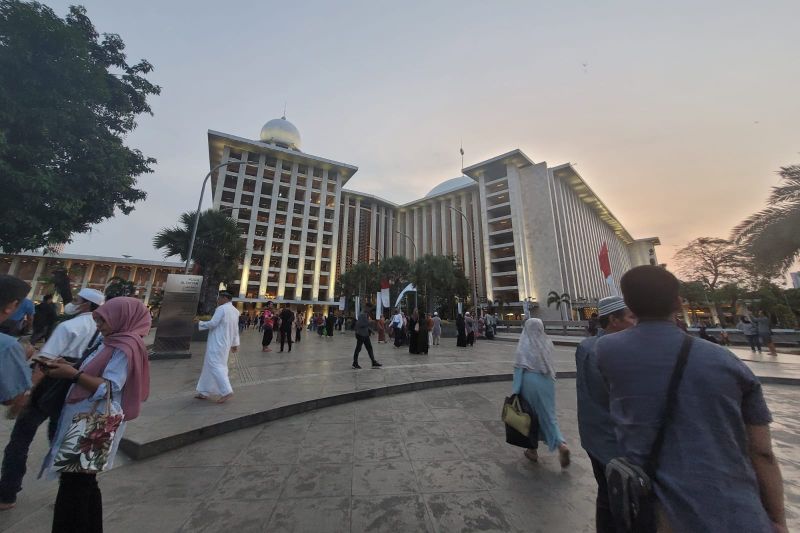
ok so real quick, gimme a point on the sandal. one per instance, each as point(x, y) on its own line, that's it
point(563, 457)
point(532, 455)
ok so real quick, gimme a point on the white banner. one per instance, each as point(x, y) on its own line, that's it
point(409, 288)
point(341, 303)
point(379, 306)
point(611, 286)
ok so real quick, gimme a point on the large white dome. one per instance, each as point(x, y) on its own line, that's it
point(450, 185)
point(281, 132)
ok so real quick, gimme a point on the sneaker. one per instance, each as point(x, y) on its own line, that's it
point(376, 364)
point(357, 366)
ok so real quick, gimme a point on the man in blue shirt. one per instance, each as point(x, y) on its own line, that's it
point(594, 420)
point(15, 376)
point(20, 319)
point(716, 471)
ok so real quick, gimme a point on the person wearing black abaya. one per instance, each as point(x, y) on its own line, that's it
point(461, 328)
point(329, 324)
point(422, 336)
point(413, 332)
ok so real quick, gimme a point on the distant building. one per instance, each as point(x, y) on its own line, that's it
point(536, 228)
point(88, 271)
point(795, 279)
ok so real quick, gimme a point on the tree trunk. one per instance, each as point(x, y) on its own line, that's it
point(208, 296)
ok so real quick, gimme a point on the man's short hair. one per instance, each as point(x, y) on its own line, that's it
point(11, 289)
point(650, 291)
point(47, 297)
point(226, 294)
point(605, 319)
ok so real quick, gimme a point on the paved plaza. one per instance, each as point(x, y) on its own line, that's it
point(431, 460)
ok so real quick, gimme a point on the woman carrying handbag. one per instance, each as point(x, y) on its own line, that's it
point(107, 391)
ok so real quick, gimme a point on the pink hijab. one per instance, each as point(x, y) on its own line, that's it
point(130, 321)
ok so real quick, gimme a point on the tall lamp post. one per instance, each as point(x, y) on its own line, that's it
point(474, 259)
point(415, 258)
point(200, 205)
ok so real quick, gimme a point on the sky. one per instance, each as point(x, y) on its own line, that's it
point(678, 114)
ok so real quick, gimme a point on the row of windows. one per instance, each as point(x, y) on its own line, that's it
point(249, 185)
point(271, 162)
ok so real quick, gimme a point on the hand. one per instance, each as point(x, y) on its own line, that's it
point(30, 351)
point(235, 349)
point(60, 370)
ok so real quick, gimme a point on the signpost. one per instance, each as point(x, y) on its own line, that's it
point(176, 320)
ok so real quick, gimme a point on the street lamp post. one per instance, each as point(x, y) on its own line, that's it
point(200, 206)
point(474, 259)
point(379, 255)
point(415, 258)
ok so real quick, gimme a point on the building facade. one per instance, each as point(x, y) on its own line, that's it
point(521, 229)
point(90, 271)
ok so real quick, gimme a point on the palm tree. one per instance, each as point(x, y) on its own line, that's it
point(771, 235)
point(218, 248)
point(559, 300)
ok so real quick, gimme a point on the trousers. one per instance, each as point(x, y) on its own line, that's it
point(267, 338)
point(361, 340)
point(15, 456)
point(286, 336)
point(79, 504)
point(604, 520)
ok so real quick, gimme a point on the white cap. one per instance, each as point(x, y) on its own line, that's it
point(435, 313)
point(92, 295)
point(610, 305)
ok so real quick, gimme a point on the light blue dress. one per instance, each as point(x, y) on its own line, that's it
point(117, 373)
point(539, 390)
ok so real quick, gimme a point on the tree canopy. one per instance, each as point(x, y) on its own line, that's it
point(711, 261)
point(218, 248)
point(68, 97)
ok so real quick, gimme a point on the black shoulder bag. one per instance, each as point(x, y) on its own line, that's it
point(49, 395)
point(630, 486)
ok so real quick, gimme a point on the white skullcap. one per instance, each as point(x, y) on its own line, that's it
point(92, 295)
point(610, 304)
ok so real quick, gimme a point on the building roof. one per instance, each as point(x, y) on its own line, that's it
point(100, 259)
point(453, 184)
point(218, 140)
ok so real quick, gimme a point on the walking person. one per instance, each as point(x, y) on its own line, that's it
point(422, 339)
point(223, 338)
point(267, 320)
point(299, 321)
point(716, 471)
point(287, 326)
point(461, 331)
point(71, 340)
point(397, 328)
point(44, 320)
point(329, 324)
point(363, 329)
point(413, 332)
point(470, 325)
point(764, 332)
point(594, 419)
point(436, 329)
point(381, 330)
point(750, 331)
point(535, 379)
point(15, 374)
point(120, 362)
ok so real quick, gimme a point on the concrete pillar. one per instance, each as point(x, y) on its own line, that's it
point(346, 232)
point(301, 262)
point(373, 228)
point(87, 276)
point(244, 280)
point(334, 247)
point(443, 229)
point(435, 249)
point(320, 234)
point(423, 227)
point(288, 232)
point(35, 281)
point(14, 266)
point(357, 231)
point(149, 291)
point(273, 204)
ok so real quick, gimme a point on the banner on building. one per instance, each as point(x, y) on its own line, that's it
point(605, 268)
point(176, 317)
point(342, 303)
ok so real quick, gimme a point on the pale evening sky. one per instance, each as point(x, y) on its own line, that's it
point(676, 113)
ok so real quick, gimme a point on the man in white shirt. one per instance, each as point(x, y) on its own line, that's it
point(70, 340)
point(223, 338)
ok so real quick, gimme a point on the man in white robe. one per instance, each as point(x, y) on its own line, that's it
point(223, 338)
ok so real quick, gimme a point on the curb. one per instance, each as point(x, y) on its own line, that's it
point(138, 451)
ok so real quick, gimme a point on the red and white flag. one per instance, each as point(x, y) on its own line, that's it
point(605, 268)
point(385, 293)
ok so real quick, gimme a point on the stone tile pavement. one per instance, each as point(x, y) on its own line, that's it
point(433, 460)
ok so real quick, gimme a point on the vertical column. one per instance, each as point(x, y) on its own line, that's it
point(373, 227)
point(334, 242)
point(357, 231)
point(346, 232)
point(390, 247)
point(443, 231)
point(265, 268)
point(435, 249)
point(423, 226)
point(301, 254)
point(408, 247)
point(226, 153)
point(476, 226)
point(12, 269)
point(465, 239)
point(454, 232)
point(484, 229)
point(417, 234)
point(87, 275)
point(288, 231)
point(251, 229)
point(320, 233)
point(382, 232)
point(149, 290)
point(35, 281)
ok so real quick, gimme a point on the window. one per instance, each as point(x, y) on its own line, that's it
point(283, 192)
point(313, 211)
point(247, 200)
point(283, 206)
point(271, 162)
point(317, 172)
point(294, 249)
point(297, 222)
point(295, 236)
point(300, 196)
point(309, 264)
point(292, 263)
point(230, 182)
point(235, 155)
point(302, 169)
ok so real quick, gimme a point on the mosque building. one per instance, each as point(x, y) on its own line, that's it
point(522, 229)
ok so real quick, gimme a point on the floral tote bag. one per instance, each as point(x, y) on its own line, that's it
point(87, 443)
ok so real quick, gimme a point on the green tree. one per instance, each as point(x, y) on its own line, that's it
point(439, 280)
point(397, 271)
point(363, 279)
point(710, 261)
point(771, 235)
point(218, 249)
point(68, 97)
point(729, 294)
point(118, 286)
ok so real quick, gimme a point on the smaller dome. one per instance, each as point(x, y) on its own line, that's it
point(281, 132)
point(450, 185)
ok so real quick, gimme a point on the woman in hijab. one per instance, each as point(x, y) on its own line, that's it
point(413, 332)
point(470, 328)
point(534, 378)
point(330, 324)
point(381, 329)
point(120, 360)
point(461, 329)
point(422, 337)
